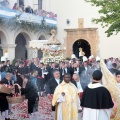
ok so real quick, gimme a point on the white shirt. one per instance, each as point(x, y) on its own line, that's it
point(79, 86)
point(119, 85)
point(66, 70)
point(86, 68)
point(42, 73)
point(58, 81)
point(77, 72)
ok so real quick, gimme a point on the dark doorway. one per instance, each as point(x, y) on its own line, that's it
point(42, 37)
point(84, 45)
point(20, 50)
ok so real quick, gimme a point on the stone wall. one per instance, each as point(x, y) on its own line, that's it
point(88, 34)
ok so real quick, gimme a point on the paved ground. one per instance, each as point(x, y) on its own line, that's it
point(80, 118)
point(45, 113)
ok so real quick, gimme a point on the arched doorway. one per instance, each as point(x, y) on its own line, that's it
point(40, 53)
point(82, 44)
point(20, 50)
point(42, 37)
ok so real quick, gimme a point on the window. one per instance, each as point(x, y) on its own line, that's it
point(21, 2)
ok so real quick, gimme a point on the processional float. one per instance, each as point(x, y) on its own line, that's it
point(53, 50)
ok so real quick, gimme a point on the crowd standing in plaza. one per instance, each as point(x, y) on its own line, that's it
point(72, 85)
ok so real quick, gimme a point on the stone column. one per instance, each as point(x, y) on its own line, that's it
point(30, 52)
point(10, 48)
point(44, 5)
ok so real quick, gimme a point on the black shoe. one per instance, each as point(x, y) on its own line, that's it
point(7, 118)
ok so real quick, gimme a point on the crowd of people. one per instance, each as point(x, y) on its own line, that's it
point(41, 12)
point(61, 82)
point(28, 9)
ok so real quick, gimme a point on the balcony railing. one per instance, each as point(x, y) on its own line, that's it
point(48, 18)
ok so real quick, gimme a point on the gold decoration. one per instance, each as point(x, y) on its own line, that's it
point(55, 52)
point(53, 40)
point(110, 83)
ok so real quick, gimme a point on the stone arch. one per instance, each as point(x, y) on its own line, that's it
point(81, 38)
point(25, 34)
point(3, 36)
point(42, 36)
point(88, 34)
point(72, 41)
point(22, 42)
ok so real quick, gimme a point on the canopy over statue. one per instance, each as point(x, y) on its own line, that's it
point(53, 50)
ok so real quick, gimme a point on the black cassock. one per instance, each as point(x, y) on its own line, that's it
point(20, 71)
point(96, 98)
point(96, 102)
point(31, 94)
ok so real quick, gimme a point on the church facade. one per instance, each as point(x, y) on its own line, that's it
point(82, 38)
point(74, 29)
point(69, 12)
point(16, 32)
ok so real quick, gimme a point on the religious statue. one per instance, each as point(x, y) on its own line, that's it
point(81, 53)
point(53, 40)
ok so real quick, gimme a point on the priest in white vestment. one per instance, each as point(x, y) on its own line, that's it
point(96, 100)
point(66, 100)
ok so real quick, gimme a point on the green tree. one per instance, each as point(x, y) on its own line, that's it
point(109, 15)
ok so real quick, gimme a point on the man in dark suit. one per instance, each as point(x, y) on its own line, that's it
point(42, 77)
point(19, 73)
point(52, 84)
point(65, 69)
point(76, 81)
point(75, 69)
point(113, 70)
point(51, 69)
point(85, 73)
point(9, 67)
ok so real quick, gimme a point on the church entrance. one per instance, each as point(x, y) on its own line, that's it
point(84, 46)
point(20, 50)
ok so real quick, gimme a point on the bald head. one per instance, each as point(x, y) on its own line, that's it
point(76, 77)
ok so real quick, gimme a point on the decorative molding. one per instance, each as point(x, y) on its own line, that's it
point(8, 45)
point(80, 29)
